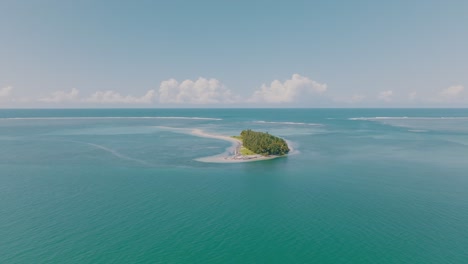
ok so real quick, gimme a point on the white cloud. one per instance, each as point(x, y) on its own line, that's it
point(109, 97)
point(201, 91)
point(452, 91)
point(386, 95)
point(287, 91)
point(61, 96)
point(5, 92)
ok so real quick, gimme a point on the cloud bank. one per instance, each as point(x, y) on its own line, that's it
point(61, 96)
point(200, 91)
point(210, 91)
point(287, 91)
point(112, 97)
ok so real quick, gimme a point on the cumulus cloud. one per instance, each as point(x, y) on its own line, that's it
point(111, 97)
point(288, 91)
point(61, 96)
point(200, 91)
point(386, 95)
point(452, 91)
point(5, 92)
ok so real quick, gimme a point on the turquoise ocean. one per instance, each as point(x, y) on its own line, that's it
point(124, 186)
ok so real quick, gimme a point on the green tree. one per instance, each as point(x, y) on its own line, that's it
point(264, 143)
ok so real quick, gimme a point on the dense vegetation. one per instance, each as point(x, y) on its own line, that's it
point(264, 143)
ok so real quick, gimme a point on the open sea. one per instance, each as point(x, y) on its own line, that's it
point(124, 186)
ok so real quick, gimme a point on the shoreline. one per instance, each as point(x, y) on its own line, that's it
point(233, 155)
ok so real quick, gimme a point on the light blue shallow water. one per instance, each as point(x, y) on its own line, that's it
point(118, 186)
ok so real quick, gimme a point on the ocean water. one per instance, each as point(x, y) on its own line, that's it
point(125, 186)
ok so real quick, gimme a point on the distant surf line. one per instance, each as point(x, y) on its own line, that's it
point(287, 123)
point(112, 117)
point(405, 118)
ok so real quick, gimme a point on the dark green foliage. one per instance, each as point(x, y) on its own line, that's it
point(264, 143)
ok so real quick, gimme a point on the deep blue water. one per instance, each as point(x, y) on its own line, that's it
point(124, 186)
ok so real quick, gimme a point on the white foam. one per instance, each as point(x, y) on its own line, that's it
point(406, 118)
point(287, 123)
point(291, 146)
point(112, 117)
point(190, 118)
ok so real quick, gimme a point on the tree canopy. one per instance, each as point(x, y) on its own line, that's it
point(264, 143)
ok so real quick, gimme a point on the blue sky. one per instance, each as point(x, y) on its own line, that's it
point(233, 53)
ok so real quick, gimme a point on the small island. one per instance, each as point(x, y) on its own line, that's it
point(248, 146)
point(254, 145)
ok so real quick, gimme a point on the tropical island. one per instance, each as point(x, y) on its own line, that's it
point(261, 143)
point(248, 146)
